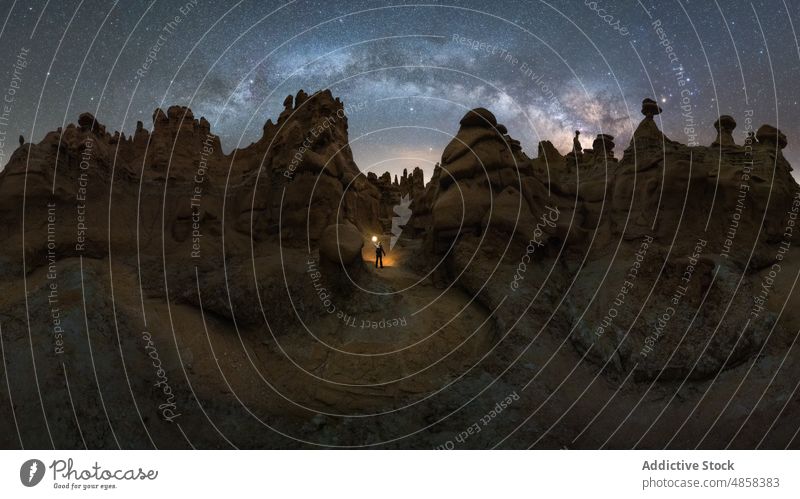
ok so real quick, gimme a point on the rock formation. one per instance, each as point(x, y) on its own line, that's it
point(625, 273)
point(652, 196)
point(485, 182)
point(725, 126)
point(770, 136)
point(412, 185)
point(307, 152)
point(603, 146)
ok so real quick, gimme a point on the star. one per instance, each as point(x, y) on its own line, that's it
point(385, 57)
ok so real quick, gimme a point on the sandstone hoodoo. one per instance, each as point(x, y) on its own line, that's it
point(725, 126)
point(648, 138)
point(481, 165)
point(768, 135)
point(603, 146)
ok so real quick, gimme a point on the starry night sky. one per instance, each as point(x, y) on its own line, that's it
point(407, 71)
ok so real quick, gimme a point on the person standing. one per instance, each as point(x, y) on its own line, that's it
point(379, 252)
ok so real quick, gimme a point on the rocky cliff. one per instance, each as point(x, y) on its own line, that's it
point(711, 221)
point(165, 281)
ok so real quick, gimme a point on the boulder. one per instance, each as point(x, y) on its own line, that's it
point(650, 108)
point(341, 244)
point(771, 136)
point(479, 117)
point(724, 126)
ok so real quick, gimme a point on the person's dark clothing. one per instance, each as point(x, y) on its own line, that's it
point(379, 252)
